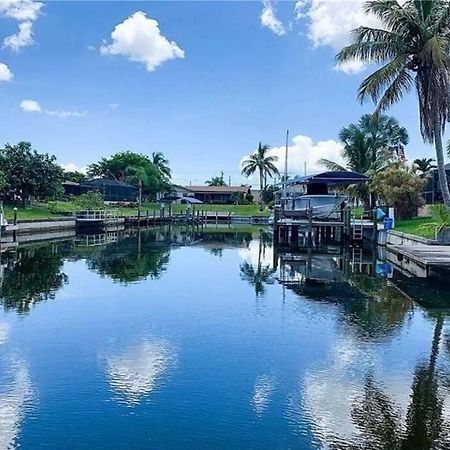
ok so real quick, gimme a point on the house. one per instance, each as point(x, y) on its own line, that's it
point(111, 190)
point(217, 194)
point(432, 192)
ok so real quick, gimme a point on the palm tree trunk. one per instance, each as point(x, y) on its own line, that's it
point(440, 165)
point(261, 181)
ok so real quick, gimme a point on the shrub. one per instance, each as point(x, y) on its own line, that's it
point(400, 187)
point(90, 200)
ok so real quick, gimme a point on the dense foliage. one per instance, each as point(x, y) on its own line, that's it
point(28, 174)
point(74, 176)
point(90, 201)
point(411, 50)
point(136, 169)
point(400, 187)
point(370, 145)
point(216, 181)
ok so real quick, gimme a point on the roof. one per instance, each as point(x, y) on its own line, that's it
point(177, 187)
point(70, 183)
point(333, 178)
point(218, 189)
point(106, 182)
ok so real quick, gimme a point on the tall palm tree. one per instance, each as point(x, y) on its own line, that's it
point(162, 164)
point(263, 163)
point(369, 145)
point(413, 49)
point(424, 166)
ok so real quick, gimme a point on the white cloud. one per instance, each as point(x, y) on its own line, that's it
point(5, 73)
point(72, 167)
point(262, 393)
point(23, 38)
point(114, 106)
point(304, 149)
point(269, 19)
point(139, 39)
point(32, 106)
point(330, 23)
point(22, 10)
point(350, 67)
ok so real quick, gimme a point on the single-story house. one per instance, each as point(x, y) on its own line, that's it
point(111, 190)
point(217, 194)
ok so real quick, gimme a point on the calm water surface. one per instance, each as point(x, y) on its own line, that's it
point(173, 339)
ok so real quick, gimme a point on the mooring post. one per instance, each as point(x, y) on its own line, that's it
point(375, 226)
point(310, 223)
point(15, 216)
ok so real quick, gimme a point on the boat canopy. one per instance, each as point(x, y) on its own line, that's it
point(334, 178)
point(174, 198)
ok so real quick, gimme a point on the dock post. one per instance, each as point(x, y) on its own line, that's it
point(310, 225)
point(139, 217)
point(375, 226)
point(15, 216)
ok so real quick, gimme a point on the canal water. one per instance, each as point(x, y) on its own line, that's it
point(209, 339)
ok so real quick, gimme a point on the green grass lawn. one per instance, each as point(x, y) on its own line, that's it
point(54, 210)
point(412, 226)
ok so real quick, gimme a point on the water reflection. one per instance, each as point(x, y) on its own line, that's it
point(131, 259)
point(262, 392)
point(257, 270)
point(15, 396)
point(32, 276)
point(138, 370)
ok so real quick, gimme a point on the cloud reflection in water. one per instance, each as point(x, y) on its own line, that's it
point(136, 372)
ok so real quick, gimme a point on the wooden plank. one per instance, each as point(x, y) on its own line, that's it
point(428, 255)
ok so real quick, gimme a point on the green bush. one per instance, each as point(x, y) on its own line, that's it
point(91, 200)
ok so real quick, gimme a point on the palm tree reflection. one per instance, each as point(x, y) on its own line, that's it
point(378, 419)
point(258, 275)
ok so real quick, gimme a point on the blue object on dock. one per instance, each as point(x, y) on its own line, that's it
point(388, 223)
point(380, 214)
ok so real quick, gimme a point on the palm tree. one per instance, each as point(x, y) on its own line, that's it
point(424, 166)
point(162, 164)
point(263, 163)
point(216, 181)
point(413, 50)
point(369, 146)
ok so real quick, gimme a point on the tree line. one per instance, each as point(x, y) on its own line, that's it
point(26, 174)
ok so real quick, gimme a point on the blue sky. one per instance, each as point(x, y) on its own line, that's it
point(242, 80)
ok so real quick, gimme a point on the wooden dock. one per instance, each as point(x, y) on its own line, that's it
point(419, 260)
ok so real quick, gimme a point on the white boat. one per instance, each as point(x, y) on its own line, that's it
point(301, 194)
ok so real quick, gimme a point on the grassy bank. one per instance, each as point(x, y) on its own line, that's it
point(412, 226)
point(54, 210)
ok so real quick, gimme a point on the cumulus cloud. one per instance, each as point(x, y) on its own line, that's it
point(304, 150)
point(72, 167)
point(23, 38)
point(350, 67)
point(5, 73)
point(269, 19)
point(114, 106)
point(138, 38)
point(26, 12)
point(32, 106)
point(21, 10)
point(329, 23)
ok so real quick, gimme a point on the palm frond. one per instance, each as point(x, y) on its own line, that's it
point(395, 92)
point(331, 165)
point(379, 80)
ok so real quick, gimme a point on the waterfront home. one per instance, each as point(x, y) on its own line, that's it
point(218, 194)
point(111, 190)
